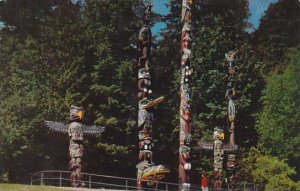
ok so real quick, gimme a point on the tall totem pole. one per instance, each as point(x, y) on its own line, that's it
point(218, 146)
point(147, 172)
point(76, 131)
point(185, 100)
point(230, 96)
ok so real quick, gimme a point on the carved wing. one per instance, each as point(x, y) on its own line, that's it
point(63, 128)
point(56, 126)
point(92, 129)
point(206, 146)
point(210, 146)
point(229, 147)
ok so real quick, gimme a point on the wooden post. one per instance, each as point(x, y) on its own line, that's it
point(60, 179)
point(90, 181)
point(42, 178)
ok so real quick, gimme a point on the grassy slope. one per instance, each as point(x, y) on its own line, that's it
point(19, 187)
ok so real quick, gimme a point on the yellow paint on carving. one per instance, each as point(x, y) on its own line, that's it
point(155, 172)
point(222, 136)
point(80, 115)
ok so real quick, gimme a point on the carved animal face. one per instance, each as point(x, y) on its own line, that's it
point(230, 56)
point(184, 151)
point(186, 54)
point(144, 74)
point(219, 134)
point(187, 27)
point(76, 112)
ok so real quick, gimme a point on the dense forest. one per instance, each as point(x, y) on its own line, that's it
point(55, 53)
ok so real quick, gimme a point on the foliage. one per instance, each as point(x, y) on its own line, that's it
point(68, 63)
point(54, 54)
point(273, 173)
point(278, 30)
point(278, 123)
point(267, 171)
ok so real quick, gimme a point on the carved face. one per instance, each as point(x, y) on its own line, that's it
point(231, 157)
point(144, 119)
point(144, 74)
point(146, 144)
point(185, 93)
point(75, 131)
point(145, 33)
point(230, 56)
point(219, 134)
point(184, 151)
point(76, 112)
point(187, 27)
point(186, 54)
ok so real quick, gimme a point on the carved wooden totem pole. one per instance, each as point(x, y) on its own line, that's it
point(147, 172)
point(218, 146)
point(185, 100)
point(230, 95)
point(76, 131)
point(218, 157)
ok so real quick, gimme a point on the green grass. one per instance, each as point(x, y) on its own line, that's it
point(20, 187)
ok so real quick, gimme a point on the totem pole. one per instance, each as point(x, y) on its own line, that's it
point(76, 131)
point(218, 157)
point(185, 100)
point(230, 95)
point(218, 146)
point(147, 172)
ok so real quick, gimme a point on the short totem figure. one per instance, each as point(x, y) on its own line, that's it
point(76, 131)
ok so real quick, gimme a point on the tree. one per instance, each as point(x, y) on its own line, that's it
point(267, 172)
point(278, 123)
point(86, 60)
point(278, 30)
point(273, 173)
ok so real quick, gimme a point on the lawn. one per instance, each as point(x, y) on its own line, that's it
point(20, 187)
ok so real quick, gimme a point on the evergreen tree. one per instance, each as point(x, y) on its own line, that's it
point(278, 30)
point(86, 60)
point(278, 123)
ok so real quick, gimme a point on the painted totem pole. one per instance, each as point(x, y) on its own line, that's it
point(185, 100)
point(218, 157)
point(218, 145)
point(76, 131)
point(218, 148)
point(147, 172)
point(230, 95)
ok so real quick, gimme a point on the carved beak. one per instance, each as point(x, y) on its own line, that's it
point(80, 115)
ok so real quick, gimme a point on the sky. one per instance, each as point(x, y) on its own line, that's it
point(257, 9)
